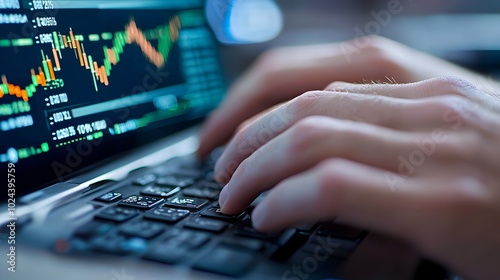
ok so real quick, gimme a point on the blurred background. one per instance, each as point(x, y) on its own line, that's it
point(464, 32)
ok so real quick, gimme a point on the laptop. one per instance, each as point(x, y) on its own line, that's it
point(100, 102)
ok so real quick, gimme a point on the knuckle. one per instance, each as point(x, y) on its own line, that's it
point(454, 108)
point(303, 104)
point(452, 85)
point(243, 144)
point(374, 43)
point(380, 51)
point(452, 150)
point(468, 194)
point(306, 133)
point(241, 136)
point(339, 87)
point(377, 49)
point(245, 124)
point(331, 182)
point(242, 126)
point(465, 146)
point(329, 170)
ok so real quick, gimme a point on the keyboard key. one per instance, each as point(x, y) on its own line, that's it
point(307, 228)
point(191, 204)
point(207, 225)
point(137, 245)
point(175, 181)
point(187, 239)
point(142, 229)
point(166, 254)
point(111, 243)
point(247, 230)
point(177, 246)
point(142, 202)
point(336, 248)
point(93, 229)
point(118, 244)
point(288, 243)
point(185, 166)
point(339, 231)
point(245, 243)
point(214, 212)
point(202, 192)
point(211, 185)
point(195, 240)
point(160, 191)
point(210, 177)
point(145, 179)
point(109, 197)
point(117, 214)
point(190, 171)
point(165, 214)
point(227, 261)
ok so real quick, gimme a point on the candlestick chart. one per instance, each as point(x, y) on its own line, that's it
point(45, 74)
point(101, 78)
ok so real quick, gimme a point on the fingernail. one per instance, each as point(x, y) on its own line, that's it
point(223, 197)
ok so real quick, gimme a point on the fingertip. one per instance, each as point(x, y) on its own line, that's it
point(222, 198)
point(225, 201)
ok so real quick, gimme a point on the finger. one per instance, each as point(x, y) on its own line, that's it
point(243, 102)
point(423, 89)
point(316, 139)
point(251, 120)
point(283, 74)
point(383, 111)
point(354, 193)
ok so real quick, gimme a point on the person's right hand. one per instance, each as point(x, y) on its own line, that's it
point(282, 74)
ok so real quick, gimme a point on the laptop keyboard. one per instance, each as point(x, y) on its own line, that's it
point(170, 215)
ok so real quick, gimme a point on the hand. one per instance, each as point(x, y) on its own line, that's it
point(282, 74)
point(415, 161)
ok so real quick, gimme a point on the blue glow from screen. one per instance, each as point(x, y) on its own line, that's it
point(244, 21)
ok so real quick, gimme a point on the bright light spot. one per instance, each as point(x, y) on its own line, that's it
point(244, 21)
point(255, 21)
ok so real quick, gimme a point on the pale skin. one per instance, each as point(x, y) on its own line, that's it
point(413, 154)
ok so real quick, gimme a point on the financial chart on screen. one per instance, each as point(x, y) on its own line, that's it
point(99, 71)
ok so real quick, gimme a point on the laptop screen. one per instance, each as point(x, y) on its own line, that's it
point(82, 81)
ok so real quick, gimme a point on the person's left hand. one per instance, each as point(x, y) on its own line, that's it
point(415, 161)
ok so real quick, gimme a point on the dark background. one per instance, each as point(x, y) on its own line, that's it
point(466, 32)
